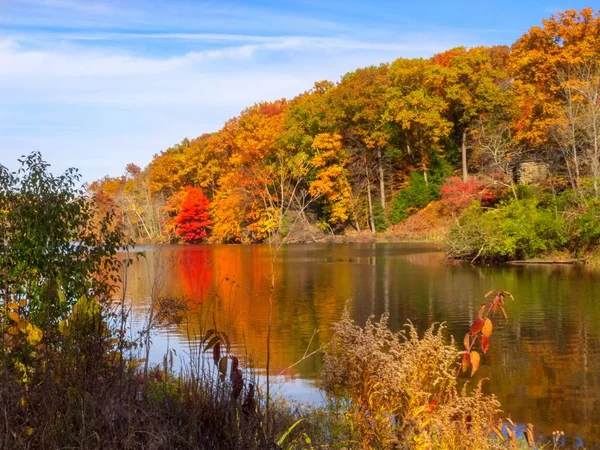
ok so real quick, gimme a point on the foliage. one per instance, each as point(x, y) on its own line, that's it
point(584, 230)
point(402, 389)
point(381, 222)
point(515, 230)
point(456, 194)
point(421, 190)
point(53, 246)
point(193, 219)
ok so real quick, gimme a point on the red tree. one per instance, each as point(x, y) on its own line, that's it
point(193, 220)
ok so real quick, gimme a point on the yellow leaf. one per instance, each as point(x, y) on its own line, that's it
point(487, 328)
point(474, 358)
point(34, 334)
point(467, 341)
point(13, 305)
point(13, 330)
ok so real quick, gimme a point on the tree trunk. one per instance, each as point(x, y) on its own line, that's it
point(371, 220)
point(465, 173)
point(596, 154)
point(381, 179)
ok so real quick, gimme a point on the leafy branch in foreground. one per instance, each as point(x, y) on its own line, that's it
point(482, 327)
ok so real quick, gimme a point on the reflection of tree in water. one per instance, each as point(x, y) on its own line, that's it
point(195, 269)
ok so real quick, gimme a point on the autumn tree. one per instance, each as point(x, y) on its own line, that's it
point(476, 87)
point(557, 81)
point(193, 220)
point(361, 97)
point(251, 140)
point(416, 105)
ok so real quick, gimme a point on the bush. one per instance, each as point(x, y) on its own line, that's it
point(514, 230)
point(402, 390)
point(456, 195)
point(584, 230)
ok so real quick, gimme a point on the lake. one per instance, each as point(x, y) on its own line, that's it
point(543, 363)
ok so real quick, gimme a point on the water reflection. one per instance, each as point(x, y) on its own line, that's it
point(543, 363)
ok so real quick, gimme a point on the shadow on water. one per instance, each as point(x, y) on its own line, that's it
point(543, 363)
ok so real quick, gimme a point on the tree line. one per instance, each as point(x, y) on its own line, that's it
point(344, 155)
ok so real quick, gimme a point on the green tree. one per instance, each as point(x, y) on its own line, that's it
point(53, 246)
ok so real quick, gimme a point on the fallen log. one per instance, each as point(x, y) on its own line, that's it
point(549, 261)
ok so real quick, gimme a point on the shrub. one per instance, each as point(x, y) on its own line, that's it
point(402, 390)
point(456, 194)
point(584, 230)
point(514, 230)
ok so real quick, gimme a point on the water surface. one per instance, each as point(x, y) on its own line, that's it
point(543, 364)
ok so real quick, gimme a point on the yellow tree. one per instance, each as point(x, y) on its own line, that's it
point(476, 87)
point(361, 99)
point(331, 180)
point(416, 105)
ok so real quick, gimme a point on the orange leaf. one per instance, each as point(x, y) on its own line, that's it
point(487, 328)
point(477, 326)
point(466, 360)
point(432, 405)
point(504, 313)
point(488, 294)
point(14, 316)
point(475, 358)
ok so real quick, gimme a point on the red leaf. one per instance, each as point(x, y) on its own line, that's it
point(477, 326)
point(485, 344)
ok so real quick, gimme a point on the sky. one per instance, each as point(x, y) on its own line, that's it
point(96, 84)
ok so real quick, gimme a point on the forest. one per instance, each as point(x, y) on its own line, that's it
point(399, 149)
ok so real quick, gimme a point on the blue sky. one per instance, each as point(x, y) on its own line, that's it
point(96, 84)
